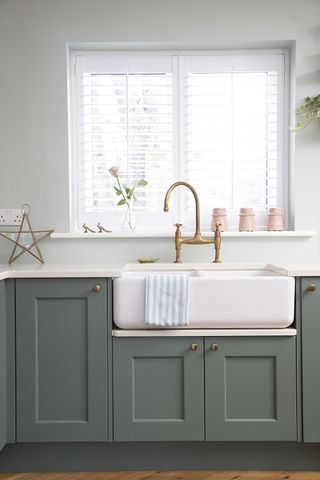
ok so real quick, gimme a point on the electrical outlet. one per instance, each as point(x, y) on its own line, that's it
point(10, 216)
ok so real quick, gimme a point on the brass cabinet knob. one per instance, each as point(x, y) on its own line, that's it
point(194, 347)
point(96, 288)
point(214, 347)
point(312, 287)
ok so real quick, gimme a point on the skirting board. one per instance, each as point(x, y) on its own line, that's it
point(57, 457)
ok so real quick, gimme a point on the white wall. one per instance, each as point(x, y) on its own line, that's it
point(33, 107)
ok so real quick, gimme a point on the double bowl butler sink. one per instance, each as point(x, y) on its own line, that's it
point(217, 299)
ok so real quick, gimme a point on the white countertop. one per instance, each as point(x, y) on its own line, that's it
point(286, 269)
point(59, 271)
point(115, 270)
point(296, 269)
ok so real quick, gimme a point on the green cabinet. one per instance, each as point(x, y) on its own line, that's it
point(250, 388)
point(158, 389)
point(3, 368)
point(239, 388)
point(61, 355)
point(310, 314)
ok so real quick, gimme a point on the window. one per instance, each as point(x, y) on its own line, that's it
point(214, 119)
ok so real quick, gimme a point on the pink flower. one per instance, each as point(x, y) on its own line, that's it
point(114, 171)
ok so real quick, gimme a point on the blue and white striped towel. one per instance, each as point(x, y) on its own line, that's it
point(167, 300)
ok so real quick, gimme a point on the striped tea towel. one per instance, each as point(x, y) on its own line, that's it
point(167, 300)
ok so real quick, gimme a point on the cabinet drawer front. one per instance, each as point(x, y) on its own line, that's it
point(158, 389)
point(250, 388)
point(61, 360)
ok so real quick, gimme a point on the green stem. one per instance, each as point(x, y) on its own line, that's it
point(122, 192)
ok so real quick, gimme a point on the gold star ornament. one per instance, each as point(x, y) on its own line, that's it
point(20, 246)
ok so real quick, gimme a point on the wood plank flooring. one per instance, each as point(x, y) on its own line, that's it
point(162, 475)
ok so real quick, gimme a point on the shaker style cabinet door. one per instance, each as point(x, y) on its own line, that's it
point(61, 336)
point(310, 313)
point(250, 388)
point(3, 368)
point(158, 389)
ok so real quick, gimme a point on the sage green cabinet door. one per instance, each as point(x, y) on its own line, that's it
point(310, 310)
point(250, 388)
point(61, 360)
point(158, 389)
point(3, 368)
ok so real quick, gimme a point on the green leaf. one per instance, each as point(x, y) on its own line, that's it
point(121, 202)
point(118, 193)
point(128, 190)
point(307, 116)
point(142, 183)
point(117, 190)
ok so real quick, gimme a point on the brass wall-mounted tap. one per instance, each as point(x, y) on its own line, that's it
point(197, 239)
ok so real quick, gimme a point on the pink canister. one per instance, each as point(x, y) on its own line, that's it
point(246, 220)
point(219, 215)
point(275, 219)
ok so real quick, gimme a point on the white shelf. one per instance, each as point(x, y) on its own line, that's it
point(170, 234)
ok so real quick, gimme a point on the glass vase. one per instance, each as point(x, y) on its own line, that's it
point(128, 223)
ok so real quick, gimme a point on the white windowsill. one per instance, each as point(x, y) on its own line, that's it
point(167, 234)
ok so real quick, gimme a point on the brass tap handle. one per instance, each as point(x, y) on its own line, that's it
point(96, 288)
point(194, 347)
point(217, 242)
point(214, 347)
point(178, 242)
point(312, 287)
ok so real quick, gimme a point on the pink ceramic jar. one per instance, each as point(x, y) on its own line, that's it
point(219, 215)
point(275, 220)
point(246, 220)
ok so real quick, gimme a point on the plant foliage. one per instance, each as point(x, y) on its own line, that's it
point(307, 112)
point(125, 191)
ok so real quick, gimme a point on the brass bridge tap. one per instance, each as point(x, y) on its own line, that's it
point(197, 239)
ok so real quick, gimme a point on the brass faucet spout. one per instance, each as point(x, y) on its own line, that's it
point(196, 199)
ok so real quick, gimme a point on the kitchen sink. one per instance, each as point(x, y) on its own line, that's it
point(218, 299)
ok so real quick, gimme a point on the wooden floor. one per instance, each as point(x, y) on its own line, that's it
point(160, 475)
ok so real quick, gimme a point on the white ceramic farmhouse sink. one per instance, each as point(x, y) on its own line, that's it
point(218, 299)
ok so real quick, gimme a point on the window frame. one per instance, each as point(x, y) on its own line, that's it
point(177, 213)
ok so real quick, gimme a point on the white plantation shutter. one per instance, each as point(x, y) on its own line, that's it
point(125, 118)
point(232, 140)
point(214, 120)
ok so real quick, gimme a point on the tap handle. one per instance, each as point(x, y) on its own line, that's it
point(217, 231)
point(217, 242)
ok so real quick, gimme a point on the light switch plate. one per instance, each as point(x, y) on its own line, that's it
point(10, 216)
